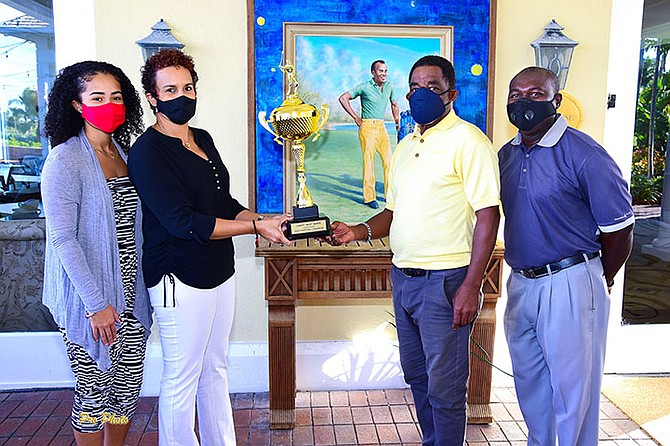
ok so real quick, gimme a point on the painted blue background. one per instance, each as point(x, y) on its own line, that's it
point(470, 19)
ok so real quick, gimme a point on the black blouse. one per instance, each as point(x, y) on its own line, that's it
point(182, 195)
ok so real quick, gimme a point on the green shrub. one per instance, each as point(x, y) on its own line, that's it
point(646, 190)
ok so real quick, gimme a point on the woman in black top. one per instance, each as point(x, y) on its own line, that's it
point(189, 221)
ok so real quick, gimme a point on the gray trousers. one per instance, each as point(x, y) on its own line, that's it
point(556, 329)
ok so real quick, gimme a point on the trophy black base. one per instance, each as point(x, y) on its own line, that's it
point(306, 223)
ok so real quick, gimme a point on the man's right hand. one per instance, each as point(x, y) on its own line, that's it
point(358, 121)
point(342, 233)
point(103, 324)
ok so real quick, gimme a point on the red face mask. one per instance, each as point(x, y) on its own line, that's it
point(107, 117)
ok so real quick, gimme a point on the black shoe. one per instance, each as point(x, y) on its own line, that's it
point(373, 204)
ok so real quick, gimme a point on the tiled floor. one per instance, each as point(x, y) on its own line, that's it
point(383, 417)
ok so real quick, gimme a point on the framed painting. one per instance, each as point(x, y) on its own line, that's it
point(332, 44)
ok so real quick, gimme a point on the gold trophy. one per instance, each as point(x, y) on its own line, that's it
point(293, 121)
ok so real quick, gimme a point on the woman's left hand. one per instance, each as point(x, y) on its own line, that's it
point(103, 324)
point(271, 229)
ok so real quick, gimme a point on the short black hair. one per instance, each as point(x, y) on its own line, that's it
point(372, 67)
point(437, 61)
point(555, 83)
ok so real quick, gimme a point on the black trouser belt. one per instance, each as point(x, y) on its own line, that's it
point(413, 272)
point(551, 268)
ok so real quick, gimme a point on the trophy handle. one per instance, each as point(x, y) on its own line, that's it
point(266, 126)
point(325, 113)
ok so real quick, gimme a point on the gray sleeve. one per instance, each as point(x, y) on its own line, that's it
point(61, 196)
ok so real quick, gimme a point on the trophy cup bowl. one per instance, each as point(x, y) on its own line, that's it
point(292, 122)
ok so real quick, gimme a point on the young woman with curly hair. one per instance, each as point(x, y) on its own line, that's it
point(190, 219)
point(93, 281)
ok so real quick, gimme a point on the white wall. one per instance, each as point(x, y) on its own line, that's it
point(74, 31)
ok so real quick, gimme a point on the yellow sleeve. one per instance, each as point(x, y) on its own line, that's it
point(480, 175)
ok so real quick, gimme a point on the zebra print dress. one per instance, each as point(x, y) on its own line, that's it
point(111, 396)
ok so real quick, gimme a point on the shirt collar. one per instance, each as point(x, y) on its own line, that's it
point(374, 84)
point(444, 124)
point(552, 136)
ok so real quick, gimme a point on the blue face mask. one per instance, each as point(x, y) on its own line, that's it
point(426, 106)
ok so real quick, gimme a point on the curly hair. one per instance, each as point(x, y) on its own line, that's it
point(167, 57)
point(63, 122)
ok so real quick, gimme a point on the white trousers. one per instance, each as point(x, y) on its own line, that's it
point(556, 329)
point(194, 326)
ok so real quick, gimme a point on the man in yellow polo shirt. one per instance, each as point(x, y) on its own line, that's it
point(375, 95)
point(442, 218)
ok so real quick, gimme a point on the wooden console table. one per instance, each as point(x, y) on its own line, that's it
point(315, 270)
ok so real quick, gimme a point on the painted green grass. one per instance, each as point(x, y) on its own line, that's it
point(334, 175)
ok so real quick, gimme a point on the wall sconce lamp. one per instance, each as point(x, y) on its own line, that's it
point(160, 38)
point(553, 51)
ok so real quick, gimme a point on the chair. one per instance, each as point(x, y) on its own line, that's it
point(4, 176)
point(21, 275)
point(32, 164)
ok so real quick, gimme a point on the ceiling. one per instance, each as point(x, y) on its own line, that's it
point(656, 19)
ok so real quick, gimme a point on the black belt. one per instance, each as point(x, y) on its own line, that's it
point(551, 268)
point(413, 272)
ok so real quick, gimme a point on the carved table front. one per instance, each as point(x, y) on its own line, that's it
point(314, 270)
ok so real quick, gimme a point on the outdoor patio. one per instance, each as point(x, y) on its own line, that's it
point(370, 417)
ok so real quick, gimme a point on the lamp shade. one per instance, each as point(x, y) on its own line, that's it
point(160, 38)
point(553, 51)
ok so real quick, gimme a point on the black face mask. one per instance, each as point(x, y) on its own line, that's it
point(525, 114)
point(178, 110)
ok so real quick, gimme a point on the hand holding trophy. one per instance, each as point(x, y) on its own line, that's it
point(294, 121)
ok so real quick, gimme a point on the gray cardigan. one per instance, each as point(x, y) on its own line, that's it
point(82, 270)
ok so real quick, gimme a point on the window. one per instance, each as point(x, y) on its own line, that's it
point(27, 72)
point(26, 75)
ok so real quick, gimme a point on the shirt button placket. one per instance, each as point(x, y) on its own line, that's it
point(416, 155)
point(523, 181)
point(218, 187)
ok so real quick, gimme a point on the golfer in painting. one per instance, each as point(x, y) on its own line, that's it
point(374, 94)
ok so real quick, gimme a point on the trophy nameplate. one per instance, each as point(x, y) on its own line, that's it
point(307, 223)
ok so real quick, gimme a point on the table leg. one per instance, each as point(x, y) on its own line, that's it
point(481, 348)
point(280, 292)
point(281, 316)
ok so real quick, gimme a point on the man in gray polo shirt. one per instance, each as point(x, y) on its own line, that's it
point(568, 230)
point(375, 95)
